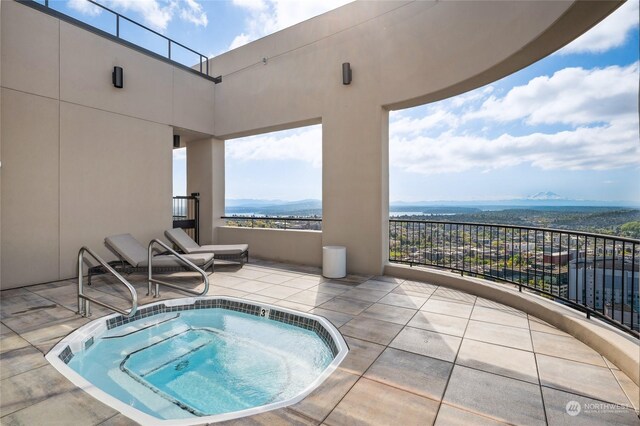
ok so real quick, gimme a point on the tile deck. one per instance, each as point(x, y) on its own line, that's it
point(419, 354)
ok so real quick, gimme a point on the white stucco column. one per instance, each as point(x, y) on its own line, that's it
point(205, 174)
point(355, 184)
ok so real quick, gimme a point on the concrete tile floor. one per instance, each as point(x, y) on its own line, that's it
point(420, 354)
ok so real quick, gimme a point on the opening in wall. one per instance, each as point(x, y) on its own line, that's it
point(179, 171)
point(274, 180)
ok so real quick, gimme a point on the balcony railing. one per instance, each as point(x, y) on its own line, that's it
point(186, 214)
point(172, 49)
point(597, 274)
point(279, 222)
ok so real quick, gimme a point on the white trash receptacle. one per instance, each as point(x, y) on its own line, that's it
point(334, 261)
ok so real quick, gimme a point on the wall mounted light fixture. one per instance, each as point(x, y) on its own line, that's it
point(176, 141)
point(118, 77)
point(346, 73)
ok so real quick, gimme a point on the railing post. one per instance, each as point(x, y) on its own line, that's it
point(197, 215)
point(118, 26)
point(80, 284)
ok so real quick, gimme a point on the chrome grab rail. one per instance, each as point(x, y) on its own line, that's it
point(184, 260)
point(84, 301)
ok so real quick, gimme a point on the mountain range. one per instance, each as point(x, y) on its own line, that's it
point(314, 207)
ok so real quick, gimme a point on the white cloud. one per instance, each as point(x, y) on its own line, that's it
point(180, 154)
point(570, 96)
point(192, 12)
point(299, 144)
point(84, 7)
point(155, 13)
point(610, 33)
point(585, 148)
point(251, 4)
point(438, 118)
point(595, 110)
point(240, 40)
point(268, 16)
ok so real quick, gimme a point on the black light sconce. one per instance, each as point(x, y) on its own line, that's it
point(346, 73)
point(118, 77)
point(176, 141)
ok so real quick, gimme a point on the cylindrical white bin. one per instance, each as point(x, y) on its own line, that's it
point(334, 261)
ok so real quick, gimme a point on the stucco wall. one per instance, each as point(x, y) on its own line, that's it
point(291, 246)
point(205, 175)
point(80, 159)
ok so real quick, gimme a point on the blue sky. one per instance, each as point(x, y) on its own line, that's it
point(567, 124)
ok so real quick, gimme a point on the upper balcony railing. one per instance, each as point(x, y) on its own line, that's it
point(168, 53)
point(596, 274)
point(279, 222)
point(186, 214)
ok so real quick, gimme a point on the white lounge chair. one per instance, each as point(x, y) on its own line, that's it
point(134, 257)
point(221, 251)
point(129, 249)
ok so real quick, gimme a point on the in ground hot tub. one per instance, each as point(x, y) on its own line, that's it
point(197, 360)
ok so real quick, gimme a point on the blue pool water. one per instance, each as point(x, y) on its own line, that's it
point(203, 362)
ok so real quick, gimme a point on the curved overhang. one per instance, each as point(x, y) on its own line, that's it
point(580, 17)
point(402, 54)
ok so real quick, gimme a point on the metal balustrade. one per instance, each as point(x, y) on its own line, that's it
point(201, 68)
point(596, 274)
point(186, 214)
point(275, 222)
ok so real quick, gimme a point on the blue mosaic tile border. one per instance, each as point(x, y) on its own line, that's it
point(66, 355)
point(88, 343)
point(308, 324)
point(247, 308)
point(231, 305)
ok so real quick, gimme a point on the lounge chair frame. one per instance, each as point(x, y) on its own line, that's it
point(241, 258)
point(122, 266)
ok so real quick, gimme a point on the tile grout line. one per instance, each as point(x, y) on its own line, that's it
point(363, 373)
point(444, 391)
point(535, 358)
point(637, 409)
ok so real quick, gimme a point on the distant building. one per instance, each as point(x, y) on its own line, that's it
point(605, 285)
point(560, 258)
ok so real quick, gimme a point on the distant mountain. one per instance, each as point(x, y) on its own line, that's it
point(542, 199)
point(312, 207)
point(249, 202)
point(307, 207)
point(545, 196)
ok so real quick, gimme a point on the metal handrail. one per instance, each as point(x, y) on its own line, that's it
point(293, 218)
point(183, 260)
point(84, 301)
point(593, 273)
point(169, 41)
point(283, 219)
point(202, 59)
point(518, 227)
